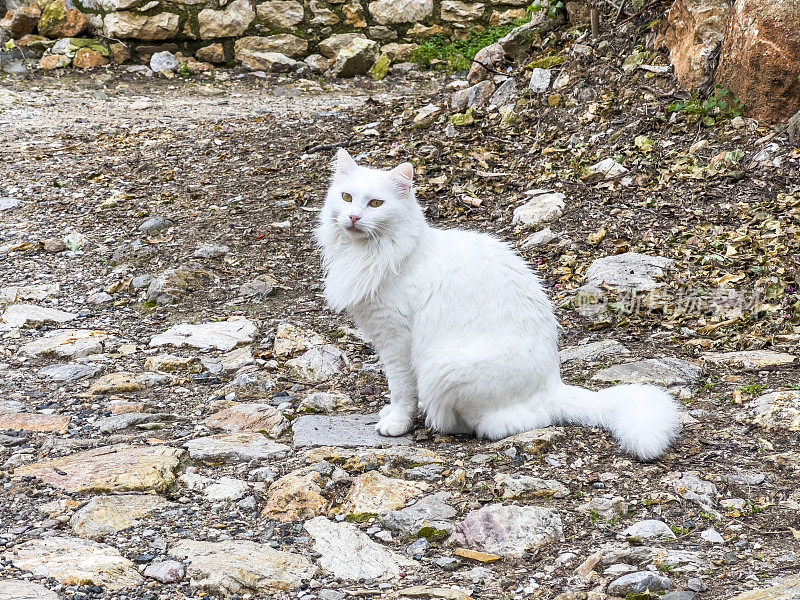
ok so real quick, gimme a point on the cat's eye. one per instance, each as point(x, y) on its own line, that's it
point(347, 197)
point(375, 203)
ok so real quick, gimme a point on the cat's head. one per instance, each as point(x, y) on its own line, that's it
point(367, 204)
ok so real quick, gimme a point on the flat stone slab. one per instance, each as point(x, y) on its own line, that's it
point(106, 515)
point(220, 335)
point(16, 589)
point(350, 554)
point(750, 359)
point(7, 203)
point(241, 567)
point(630, 271)
point(344, 431)
point(35, 422)
point(676, 375)
point(235, 447)
point(66, 343)
point(592, 352)
point(69, 371)
point(73, 561)
point(777, 410)
point(20, 315)
point(119, 468)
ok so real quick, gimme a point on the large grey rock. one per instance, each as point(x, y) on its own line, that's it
point(514, 485)
point(237, 447)
point(330, 47)
point(69, 372)
point(387, 12)
point(284, 43)
point(752, 360)
point(543, 207)
point(345, 431)
point(630, 271)
point(348, 553)
point(280, 13)
point(7, 203)
point(777, 410)
point(505, 94)
point(232, 21)
point(73, 561)
point(106, 515)
point(165, 571)
point(427, 512)
point(66, 343)
point(648, 530)
point(639, 582)
point(20, 315)
point(676, 375)
point(173, 284)
point(163, 61)
point(130, 26)
point(16, 589)
point(220, 335)
point(317, 364)
point(509, 530)
point(592, 352)
point(783, 589)
point(540, 80)
point(356, 58)
point(691, 487)
point(241, 567)
point(270, 62)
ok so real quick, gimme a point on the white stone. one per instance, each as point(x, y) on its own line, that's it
point(105, 515)
point(515, 485)
point(540, 80)
point(678, 376)
point(236, 447)
point(222, 335)
point(592, 352)
point(280, 13)
point(630, 271)
point(388, 12)
point(230, 22)
point(20, 315)
point(541, 208)
point(350, 554)
point(227, 488)
point(457, 11)
point(650, 529)
point(73, 561)
point(66, 343)
point(712, 535)
point(777, 410)
point(16, 589)
point(317, 364)
point(163, 61)
point(241, 567)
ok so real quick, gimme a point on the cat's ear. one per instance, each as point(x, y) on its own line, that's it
point(344, 163)
point(404, 175)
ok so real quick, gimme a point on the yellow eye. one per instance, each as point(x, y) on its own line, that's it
point(375, 203)
point(347, 197)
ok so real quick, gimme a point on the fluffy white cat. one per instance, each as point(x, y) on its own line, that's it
point(463, 327)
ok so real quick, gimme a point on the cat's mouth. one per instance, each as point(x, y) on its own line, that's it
point(355, 229)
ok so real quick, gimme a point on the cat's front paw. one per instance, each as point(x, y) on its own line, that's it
point(393, 423)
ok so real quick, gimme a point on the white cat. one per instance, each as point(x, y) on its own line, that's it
point(463, 327)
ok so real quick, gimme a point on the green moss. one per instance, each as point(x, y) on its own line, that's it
point(432, 534)
point(53, 17)
point(462, 119)
point(360, 517)
point(546, 62)
point(381, 67)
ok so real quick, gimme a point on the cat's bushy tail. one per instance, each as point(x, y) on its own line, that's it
point(643, 418)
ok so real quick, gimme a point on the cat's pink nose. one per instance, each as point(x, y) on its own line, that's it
point(354, 219)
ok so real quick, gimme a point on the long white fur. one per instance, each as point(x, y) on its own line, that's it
point(463, 327)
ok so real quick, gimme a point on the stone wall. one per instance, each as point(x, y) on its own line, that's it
point(294, 28)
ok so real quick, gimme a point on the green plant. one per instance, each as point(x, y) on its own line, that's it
point(184, 71)
point(720, 106)
point(753, 388)
point(458, 54)
point(709, 517)
point(679, 530)
point(594, 516)
point(553, 7)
